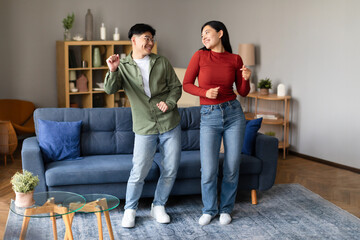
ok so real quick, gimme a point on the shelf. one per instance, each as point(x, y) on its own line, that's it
point(271, 97)
point(282, 119)
point(279, 121)
point(70, 56)
point(281, 145)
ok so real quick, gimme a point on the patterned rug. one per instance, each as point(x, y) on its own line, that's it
point(287, 211)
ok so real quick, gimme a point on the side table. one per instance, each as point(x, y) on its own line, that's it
point(97, 203)
point(50, 204)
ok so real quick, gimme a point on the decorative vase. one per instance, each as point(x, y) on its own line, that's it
point(8, 139)
point(89, 26)
point(67, 35)
point(24, 199)
point(82, 83)
point(264, 91)
point(281, 90)
point(96, 57)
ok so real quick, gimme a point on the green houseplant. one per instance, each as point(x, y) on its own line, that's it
point(68, 22)
point(24, 184)
point(264, 85)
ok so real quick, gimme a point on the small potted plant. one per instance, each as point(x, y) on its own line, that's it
point(68, 22)
point(264, 85)
point(24, 184)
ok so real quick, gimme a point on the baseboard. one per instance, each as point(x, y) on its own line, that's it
point(356, 170)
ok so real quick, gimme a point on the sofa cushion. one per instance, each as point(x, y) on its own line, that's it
point(59, 140)
point(189, 164)
point(251, 129)
point(96, 169)
point(190, 128)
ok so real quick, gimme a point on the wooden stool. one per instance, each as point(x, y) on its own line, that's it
point(8, 139)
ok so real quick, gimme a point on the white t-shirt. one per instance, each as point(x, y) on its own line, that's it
point(144, 65)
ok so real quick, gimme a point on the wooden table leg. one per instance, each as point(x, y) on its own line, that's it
point(108, 223)
point(68, 231)
point(98, 216)
point(71, 218)
point(24, 228)
point(53, 219)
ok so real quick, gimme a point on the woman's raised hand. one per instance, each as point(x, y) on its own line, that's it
point(246, 73)
point(113, 62)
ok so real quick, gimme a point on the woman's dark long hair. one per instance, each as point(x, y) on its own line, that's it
point(225, 40)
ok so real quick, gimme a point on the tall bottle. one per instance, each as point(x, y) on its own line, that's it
point(89, 26)
point(102, 32)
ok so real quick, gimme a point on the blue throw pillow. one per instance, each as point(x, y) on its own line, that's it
point(59, 140)
point(251, 129)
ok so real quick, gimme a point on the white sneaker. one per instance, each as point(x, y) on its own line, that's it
point(128, 220)
point(225, 218)
point(158, 212)
point(205, 219)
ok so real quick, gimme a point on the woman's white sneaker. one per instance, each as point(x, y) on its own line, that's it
point(159, 213)
point(128, 220)
point(205, 219)
point(225, 218)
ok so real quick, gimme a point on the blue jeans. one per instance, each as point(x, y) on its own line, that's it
point(144, 152)
point(225, 120)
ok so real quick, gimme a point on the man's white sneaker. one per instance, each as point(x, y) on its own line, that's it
point(128, 220)
point(225, 218)
point(158, 212)
point(205, 219)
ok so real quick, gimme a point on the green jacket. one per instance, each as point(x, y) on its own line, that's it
point(164, 86)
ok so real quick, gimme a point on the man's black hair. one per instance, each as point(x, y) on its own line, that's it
point(141, 28)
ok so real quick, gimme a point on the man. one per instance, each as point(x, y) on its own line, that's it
point(153, 89)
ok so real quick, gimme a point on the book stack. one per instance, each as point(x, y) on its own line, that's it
point(272, 116)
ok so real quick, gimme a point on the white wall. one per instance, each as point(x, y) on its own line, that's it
point(312, 46)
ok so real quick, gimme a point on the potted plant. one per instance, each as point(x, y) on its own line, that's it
point(24, 184)
point(68, 22)
point(264, 85)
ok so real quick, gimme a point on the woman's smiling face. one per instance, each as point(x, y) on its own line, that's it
point(211, 38)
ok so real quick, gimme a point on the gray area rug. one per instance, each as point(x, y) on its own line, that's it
point(287, 211)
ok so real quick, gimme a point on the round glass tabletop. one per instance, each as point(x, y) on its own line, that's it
point(59, 202)
point(99, 203)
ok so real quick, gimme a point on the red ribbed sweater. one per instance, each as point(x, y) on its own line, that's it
point(215, 70)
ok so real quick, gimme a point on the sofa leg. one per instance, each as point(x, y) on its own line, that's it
point(253, 197)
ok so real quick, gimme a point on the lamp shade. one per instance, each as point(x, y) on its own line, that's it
point(247, 53)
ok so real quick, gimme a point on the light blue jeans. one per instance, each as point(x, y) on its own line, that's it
point(225, 120)
point(144, 152)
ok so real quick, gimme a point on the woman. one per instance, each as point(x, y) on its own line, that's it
point(217, 70)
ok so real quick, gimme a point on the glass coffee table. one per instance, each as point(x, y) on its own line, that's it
point(51, 205)
point(96, 203)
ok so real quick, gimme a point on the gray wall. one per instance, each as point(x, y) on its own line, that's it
point(311, 46)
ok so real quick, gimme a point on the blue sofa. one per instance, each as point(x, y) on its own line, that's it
point(106, 148)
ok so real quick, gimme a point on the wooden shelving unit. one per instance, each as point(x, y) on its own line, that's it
point(80, 51)
point(282, 119)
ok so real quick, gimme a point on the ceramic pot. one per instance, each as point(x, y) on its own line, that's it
point(24, 199)
point(264, 91)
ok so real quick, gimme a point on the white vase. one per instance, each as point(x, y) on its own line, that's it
point(281, 90)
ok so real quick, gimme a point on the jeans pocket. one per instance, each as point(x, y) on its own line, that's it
point(205, 110)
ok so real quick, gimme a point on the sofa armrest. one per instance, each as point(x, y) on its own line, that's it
point(266, 149)
point(32, 161)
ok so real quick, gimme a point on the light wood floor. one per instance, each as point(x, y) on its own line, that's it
point(338, 186)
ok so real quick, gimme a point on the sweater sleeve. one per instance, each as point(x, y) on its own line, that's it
point(192, 72)
point(242, 85)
